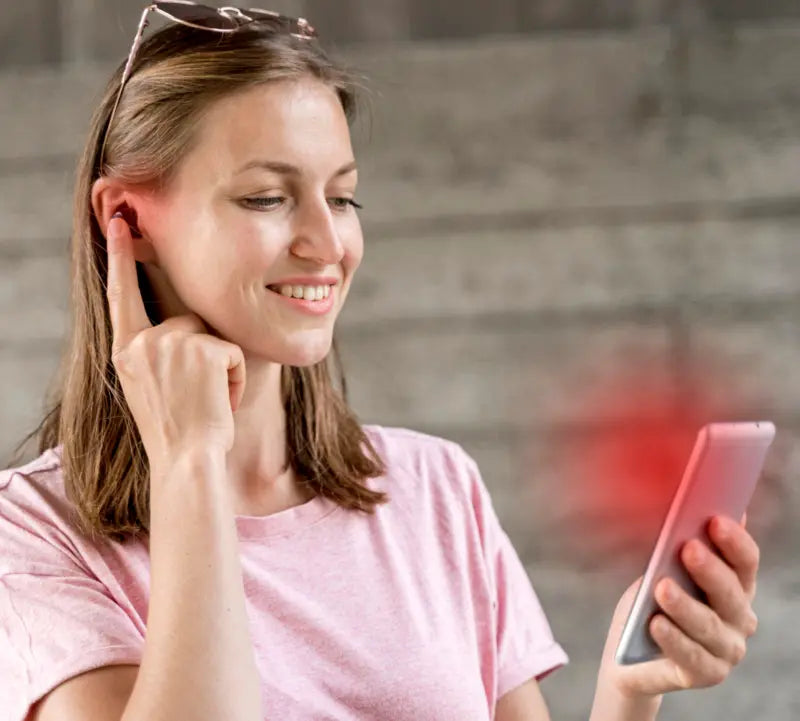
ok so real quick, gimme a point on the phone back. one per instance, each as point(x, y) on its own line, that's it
point(720, 478)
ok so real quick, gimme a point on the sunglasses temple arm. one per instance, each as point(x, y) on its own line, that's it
point(137, 40)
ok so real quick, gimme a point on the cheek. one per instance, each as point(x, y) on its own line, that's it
point(198, 268)
point(255, 247)
point(353, 252)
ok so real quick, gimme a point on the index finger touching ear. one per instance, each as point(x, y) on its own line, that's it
point(126, 307)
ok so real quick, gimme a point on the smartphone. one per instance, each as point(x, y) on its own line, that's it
point(719, 479)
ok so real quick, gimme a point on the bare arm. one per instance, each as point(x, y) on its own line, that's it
point(526, 703)
point(198, 662)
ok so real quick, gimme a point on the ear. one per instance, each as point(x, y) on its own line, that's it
point(110, 196)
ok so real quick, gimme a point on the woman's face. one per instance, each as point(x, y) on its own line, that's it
point(258, 210)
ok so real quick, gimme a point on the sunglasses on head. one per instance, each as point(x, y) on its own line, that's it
point(203, 17)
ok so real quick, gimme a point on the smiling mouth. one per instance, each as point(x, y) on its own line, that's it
point(303, 292)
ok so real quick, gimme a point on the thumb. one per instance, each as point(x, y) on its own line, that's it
point(236, 385)
point(236, 392)
point(653, 678)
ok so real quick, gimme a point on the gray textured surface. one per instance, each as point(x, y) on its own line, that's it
point(537, 210)
point(37, 31)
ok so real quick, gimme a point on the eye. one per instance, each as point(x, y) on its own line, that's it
point(267, 202)
point(342, 203)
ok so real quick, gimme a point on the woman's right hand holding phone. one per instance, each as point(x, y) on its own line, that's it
point(701, 643)
point(181, 384)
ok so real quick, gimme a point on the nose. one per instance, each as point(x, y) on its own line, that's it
point(316, 236)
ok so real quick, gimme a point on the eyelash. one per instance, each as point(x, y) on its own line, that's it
point(256, 201)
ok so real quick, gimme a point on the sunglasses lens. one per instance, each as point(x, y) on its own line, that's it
point(278, 22)
point(197, 15)
point(208, 17)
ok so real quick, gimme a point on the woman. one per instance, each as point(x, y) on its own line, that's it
point(209, 533)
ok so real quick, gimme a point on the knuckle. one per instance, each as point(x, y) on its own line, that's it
point(113, 291)
point(695, 657)
point(738, 651)
point(168, 341)
point(200, 347)
point(120, 361)
point(140, 344)
point(134, 354)
point(752, 624)
point(718, 673)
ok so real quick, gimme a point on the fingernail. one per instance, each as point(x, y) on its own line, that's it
point(118, 214)
point(668, 591)
point(696, 553)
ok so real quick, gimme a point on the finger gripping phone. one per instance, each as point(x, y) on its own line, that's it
point(719, 480)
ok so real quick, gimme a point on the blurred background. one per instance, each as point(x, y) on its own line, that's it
point(581, 223)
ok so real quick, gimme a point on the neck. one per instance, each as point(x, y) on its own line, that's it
point(259, 477)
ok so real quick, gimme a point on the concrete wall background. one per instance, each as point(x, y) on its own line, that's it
point(542, 208)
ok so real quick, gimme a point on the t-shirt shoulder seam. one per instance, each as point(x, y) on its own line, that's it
point(427, 438)
point(430, 441)
point(29, 469)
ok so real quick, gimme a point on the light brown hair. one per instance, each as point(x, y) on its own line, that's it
point(178, 73)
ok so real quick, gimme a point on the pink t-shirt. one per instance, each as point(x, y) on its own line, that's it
point(422, 611)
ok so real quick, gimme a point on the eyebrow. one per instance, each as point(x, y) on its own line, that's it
point(281, 168)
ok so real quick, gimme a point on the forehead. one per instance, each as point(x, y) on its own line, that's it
point(297, 121)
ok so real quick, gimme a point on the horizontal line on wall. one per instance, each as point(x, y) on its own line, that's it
point(772, 208)
point(723, 309)
point(37, 163)
point(559, 431)
point(18, 249)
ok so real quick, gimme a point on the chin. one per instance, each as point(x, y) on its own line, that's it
point(301, 352)
point(303, 359)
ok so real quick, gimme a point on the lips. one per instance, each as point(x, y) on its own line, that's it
point(313, 280)
point(319, 300)
point(306, 292)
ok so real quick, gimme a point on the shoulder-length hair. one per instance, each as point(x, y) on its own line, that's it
point(178, 73)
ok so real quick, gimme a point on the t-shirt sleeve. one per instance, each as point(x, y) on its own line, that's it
point(526, 647)
point(56, 619)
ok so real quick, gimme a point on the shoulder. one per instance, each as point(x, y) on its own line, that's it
point(37, 482)
point(418, 451)
point(44, 470)
point(34, 510)
point(425, 464)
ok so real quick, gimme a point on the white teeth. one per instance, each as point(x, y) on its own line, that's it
point(306, 292)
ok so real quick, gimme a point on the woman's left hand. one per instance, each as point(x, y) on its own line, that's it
point(701, 643)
